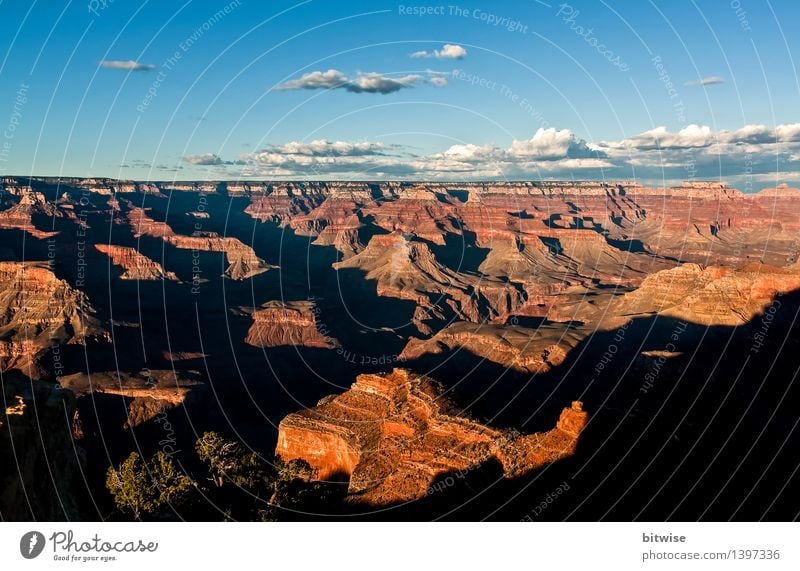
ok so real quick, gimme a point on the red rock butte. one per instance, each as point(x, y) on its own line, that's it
point(288, 323)
point(392, 435)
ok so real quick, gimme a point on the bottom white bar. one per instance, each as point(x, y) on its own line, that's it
point(407, 546)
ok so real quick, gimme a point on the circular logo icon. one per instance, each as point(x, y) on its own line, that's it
point(31, 544)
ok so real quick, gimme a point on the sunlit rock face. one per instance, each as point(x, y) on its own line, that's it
point(392, 435)
point(291, 323)
point(243, 263)
point(38, 310)
point(135, 266)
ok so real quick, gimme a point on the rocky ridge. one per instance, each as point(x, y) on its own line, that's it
point(288, 323)
point(145, 394)
point(39, 311)
point(393, 435)
point(136, 265)
point(243, 263)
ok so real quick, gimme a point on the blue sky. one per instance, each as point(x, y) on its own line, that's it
point(324, 89)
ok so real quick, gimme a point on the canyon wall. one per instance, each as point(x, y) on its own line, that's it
point(393, 435)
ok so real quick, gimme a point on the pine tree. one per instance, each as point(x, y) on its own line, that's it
point(130, 486)
point(140, 489)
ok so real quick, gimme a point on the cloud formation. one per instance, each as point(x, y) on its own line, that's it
point(448, 51)
point(743, 156)
point(322, 156)
point(549, 150)
point(702, 136)
point(371, 82)
point(552, 144)
point(129, 65)
point(209, 159)
point(710, 80)
point(691, 136)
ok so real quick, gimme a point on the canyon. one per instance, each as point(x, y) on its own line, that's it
point(362, 326)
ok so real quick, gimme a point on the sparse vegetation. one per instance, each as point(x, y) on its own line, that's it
point(140, 488)
point(234, 484)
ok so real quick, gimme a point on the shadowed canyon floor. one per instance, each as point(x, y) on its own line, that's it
point(422, 343)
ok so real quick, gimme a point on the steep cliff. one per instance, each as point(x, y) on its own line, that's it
point(407, 269)
point(136, 266)
point(519, 348)
point(712, 295)
point(38, 311)
point(288, 323)
point(392, 435)
point(243, 263)
point(20, 213)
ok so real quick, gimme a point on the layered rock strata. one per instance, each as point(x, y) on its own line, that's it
point(136, 266)
point(393, 435)
point(243, 263)
point(288, 323)
point(39, 311)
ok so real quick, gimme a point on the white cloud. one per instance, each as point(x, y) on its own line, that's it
point(363, 82)
point(710, 80)
point(750, 154)
point(549, 150)
point(788, 133)
point(204, 159)
point(439, 78)
point(690, 136)
point(377, 83)
point(319, 157)
point(316, 80)
point(129, 65)
point(697, 136)
point(701, 153)
point(545, 143)
point(448, 51)
point(748, 134)
point(550, 144)
point(451, 51)
point(208, 159)
point(324, 148)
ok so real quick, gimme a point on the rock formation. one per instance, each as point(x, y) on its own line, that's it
point(243, 263)
point(292, 323)
point(406, 269)
point(394, 434)
point(519, 348)
point(709, 296)
point(137, 266)
point(280, 202)
point(145, 394)
point(520, 274)
point(37, 311)
point(20, 214)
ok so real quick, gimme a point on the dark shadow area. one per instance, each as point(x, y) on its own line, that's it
point(553, 245)
point(460, 253)
point(691, 436)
